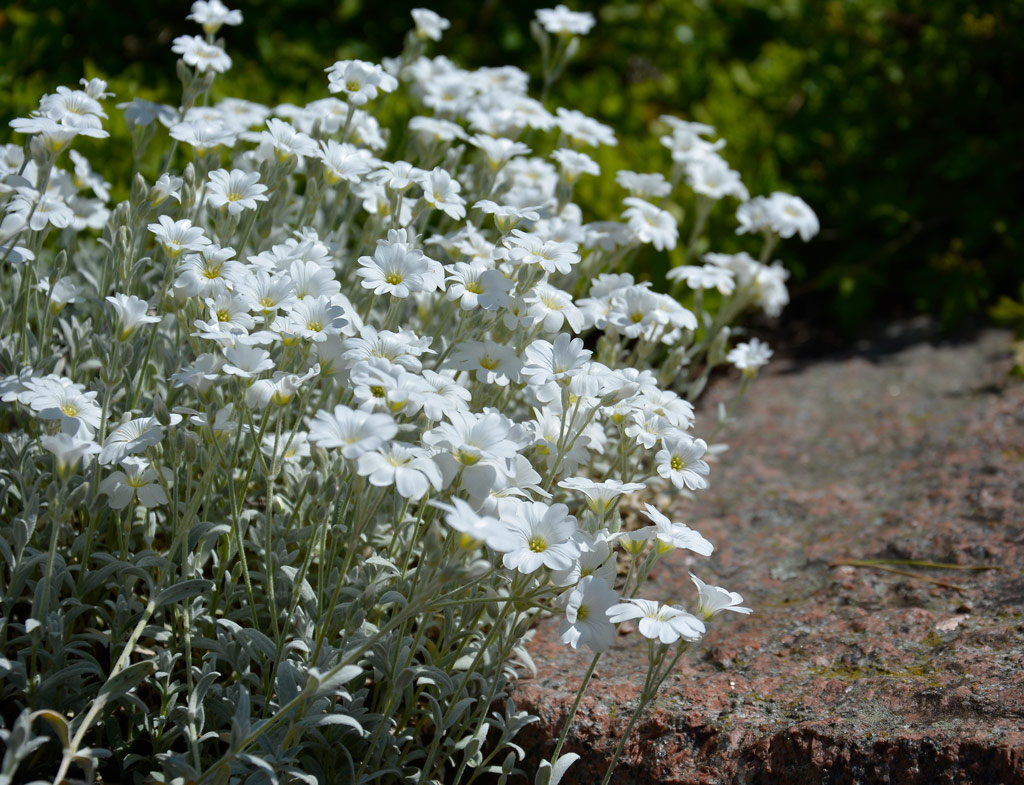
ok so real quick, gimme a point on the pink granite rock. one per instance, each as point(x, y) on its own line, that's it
point(843, 674)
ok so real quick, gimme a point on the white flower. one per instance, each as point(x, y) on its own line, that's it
point(665, 623)
point(555, 362)
point(586, 615)
point(560, 20)
point(354, 431)
point(279, 389)
point(712, 177)
point(201, 55)
point(343, 161)
point(651, 224)
point(680, 461)
point(441, 192)
point(211, 14)
point(132, 437)
point(53, 398)
point(131, 312)
point(406, 468)
point(313, 319)
point(138, 480)
point(209, 273)
point(489, 361)
point(549, 255)
point(506, 216)
point(672, 534)
point(790, 214)
point(178, 236)
point(429, 24)
point(748, 357)
point(498, 150)
point(553, 307)
point(236, 190)
point(476, 527)
point(394, 269)
point(704, 276)
point(714, 599)
point(359, 80)
point(476, 284)
point(643, 186)
point(584, 130)
point(542, 533)
point(246, 361)
point(601, 496)
point(286, 142)
point(203, 136)
point(442, 393)
point(68, 450)
point(574, 164)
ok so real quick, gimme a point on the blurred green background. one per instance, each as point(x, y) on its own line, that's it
point(900, 123)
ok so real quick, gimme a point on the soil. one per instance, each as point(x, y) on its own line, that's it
point(908, 447)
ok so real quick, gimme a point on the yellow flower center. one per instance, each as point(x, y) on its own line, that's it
point(489, 363)
point(677, 463)
point(538, 544)
point(475, 287)
point(69, 409)
point(377, 391)
point(393, 278)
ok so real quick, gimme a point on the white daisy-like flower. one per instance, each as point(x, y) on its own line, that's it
point(246, 361)
point(132, 437)
point(131, 312)
point(574, 164)
point(68, 450)
point(201, 55)
point(286, 142)
point(561, 21)
point(138, 480)
point(790, 215)
point(704, 276)
point(713, 600)
point(712, 177)
point(352, 430)
point(429, 24)
point(343, 162)
point(644, 186)
point(586, 615)
point(553, 307)
point(584, 130)
point(601, 496)
point(359, 80)
point(542, 533)
point(54, 398)
point(664, 623)
point(178, 236)
point(680, 461)
point(669, 534)
point(211, 14)
point(549, 255)
point(441, 192)
point(750, 356)
point(476, 528)
point(235, 190)
point(408, 469)
point(545, 362)
point(489, 361)
point(476, 284)
point(651, 224)
point(393, 269)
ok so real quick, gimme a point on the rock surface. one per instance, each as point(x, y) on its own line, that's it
point(843, 674)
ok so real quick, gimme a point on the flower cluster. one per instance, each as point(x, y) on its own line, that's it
point(373, 414)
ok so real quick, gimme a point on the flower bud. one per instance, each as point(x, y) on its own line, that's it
point(160, 410)
point(140, 191)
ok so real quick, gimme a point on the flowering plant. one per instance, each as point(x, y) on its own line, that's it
point(299, 448)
